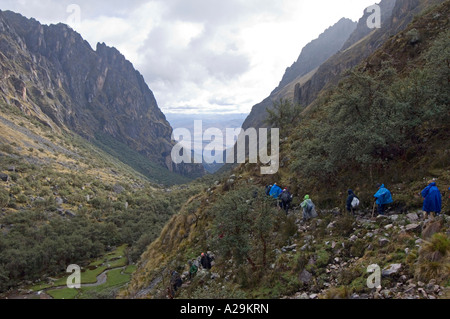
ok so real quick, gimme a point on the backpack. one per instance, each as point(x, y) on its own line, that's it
point(355, 202)
point(309, 206)
point(285, 197)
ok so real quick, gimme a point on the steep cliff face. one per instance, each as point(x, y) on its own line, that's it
point(311, 57)
point(362, 30)
point(352, 43)
point(51, 73)
point(361, 45)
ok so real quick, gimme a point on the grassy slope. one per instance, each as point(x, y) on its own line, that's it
point(52, 164)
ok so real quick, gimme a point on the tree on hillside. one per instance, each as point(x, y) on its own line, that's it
point(283, 115)
point(242, 225)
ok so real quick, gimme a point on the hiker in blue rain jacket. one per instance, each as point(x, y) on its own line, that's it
point(432, 199)
point(383, 198)
point(275, 191)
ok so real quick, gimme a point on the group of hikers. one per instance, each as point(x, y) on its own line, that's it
point(204, 261)
point(284, 200)
point(432, 204)
point(432, 200)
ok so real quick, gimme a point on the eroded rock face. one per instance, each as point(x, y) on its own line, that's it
point(55, 76)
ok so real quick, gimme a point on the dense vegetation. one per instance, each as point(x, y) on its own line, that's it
point(373, 118)
point(381, 116)
point(137, 161)
point(51, 219)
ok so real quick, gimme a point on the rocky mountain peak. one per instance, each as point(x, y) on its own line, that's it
point(68, 84)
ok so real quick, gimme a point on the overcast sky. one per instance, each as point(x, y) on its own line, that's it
point(200, 55)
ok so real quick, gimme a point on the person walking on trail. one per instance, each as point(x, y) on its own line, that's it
point(383, 198)
point(432, 199)
point(176, 281)
point(206, 261)
point(352, 202)
point(309, 209)
point(275, 191)
point(286, 199)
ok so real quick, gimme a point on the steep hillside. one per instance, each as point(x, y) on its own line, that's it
point(387, 121)
point(332, 70)
point(304, 87)
point(64, 201)
point(311, 57)
point(52, 74)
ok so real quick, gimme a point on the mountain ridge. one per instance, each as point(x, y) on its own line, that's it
point(50, 72)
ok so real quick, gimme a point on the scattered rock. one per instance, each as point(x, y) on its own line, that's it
point(289, 248)
point(412, 228)
point(70, 214)
point(392, 270)
point(412, 217)
point(118, 189)
point(59, 201)
point(4, 177)
point(305, 277)
point(305, 247)
point(393, 217)
point(432, 228)
point(215, 276)
point(383, 241)
point(386, 293)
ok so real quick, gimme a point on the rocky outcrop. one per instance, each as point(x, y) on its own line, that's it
point(51, 73)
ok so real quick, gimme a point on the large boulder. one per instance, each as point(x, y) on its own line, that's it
point(392, 270)
point(412, 228)
point(431, 228)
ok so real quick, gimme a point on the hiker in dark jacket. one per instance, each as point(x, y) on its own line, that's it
point(206, 261)
point(268, 188)
point(432, 199)
point(286, 199)
point(176, 281)
point(351, 196)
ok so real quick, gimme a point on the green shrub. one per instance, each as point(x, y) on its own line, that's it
point(4, 198)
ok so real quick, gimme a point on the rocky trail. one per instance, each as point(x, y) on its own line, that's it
point(376, 237)
point(371, 234)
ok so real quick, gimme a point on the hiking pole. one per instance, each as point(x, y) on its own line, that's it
point(373, 211)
